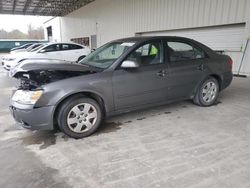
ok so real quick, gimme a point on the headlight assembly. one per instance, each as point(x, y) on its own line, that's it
point(9, 59)
point(26, 96)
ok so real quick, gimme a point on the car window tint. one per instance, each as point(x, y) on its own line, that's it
point(199, 53)
point(65, 47)
point(74, 47)
point(52, 48)
point(37, 48)
point(147, 54)
point(180, 51)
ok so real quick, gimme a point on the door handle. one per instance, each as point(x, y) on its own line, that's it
point(161, 73)
point(200, 67)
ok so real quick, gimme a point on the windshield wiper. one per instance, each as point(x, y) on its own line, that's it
point(91, 66)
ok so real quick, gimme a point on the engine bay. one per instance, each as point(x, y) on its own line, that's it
point(33, 79)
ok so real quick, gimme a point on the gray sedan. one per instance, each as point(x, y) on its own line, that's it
point(121, 76)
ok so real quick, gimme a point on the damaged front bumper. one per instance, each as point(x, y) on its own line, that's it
point(33, 118)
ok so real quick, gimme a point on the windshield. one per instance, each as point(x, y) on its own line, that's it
point(37, 48)
point(26, 45)
point(33, 46)
point(106, 55)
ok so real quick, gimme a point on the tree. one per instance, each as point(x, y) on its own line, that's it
point(3, 34)
point(33, 33)
point(16, 34)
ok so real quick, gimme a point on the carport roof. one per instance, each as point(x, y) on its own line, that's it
point(41, 7)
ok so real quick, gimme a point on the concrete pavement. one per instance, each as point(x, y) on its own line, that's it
point(178, 145)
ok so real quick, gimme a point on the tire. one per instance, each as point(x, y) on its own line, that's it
point(79, 117)
point(80, 58)
point(207, 93)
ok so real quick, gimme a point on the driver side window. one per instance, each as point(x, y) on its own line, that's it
point(181, 51)
point(148, 54)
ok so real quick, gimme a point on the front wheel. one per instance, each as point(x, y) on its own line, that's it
point(79, 117)
point(207, 93)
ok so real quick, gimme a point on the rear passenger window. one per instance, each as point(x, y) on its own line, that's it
point(180, 51)
point(52, 48)
point(65, 47)
point(75, 47)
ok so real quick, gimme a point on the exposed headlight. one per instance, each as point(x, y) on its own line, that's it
point(27, 97)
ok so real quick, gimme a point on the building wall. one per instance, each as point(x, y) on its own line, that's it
point(118, 18)
point(55, 23)
point(112, 19)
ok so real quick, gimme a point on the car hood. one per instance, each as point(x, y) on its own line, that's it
point(50, 65)
point(34, 73)
point(17, 54)
point(17, 51)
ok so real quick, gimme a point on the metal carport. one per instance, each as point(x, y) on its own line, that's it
point(41, 7)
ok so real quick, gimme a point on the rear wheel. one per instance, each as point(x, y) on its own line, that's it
point(207, 93)
point(79, 117)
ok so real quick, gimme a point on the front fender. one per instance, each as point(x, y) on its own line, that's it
point(99, 84)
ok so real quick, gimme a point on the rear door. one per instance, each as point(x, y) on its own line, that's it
point(67, 53)
point(144, 85)
point(78, 51)
point(71, 52)
point(186, 65)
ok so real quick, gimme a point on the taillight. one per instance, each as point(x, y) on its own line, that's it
point(230, 62)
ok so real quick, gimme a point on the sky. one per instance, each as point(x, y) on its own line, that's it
point(10, 22)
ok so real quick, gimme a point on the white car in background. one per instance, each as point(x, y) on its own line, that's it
point(30, 48)
point(25, 46)
point(58, 51)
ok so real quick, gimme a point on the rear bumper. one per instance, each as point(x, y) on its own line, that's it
point(33, 118)
point(226, 80)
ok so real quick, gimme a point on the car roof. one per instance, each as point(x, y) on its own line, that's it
point(146, 38)
point(64, 43)
point(142, 39)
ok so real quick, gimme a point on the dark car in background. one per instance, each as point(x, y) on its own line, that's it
point(121, 76)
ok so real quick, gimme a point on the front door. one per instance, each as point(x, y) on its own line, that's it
point(52, 51)
point(144, 85)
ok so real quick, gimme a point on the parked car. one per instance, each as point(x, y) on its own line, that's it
point(25, 46)
point(61, 51)
point(30, 48)
point(121, 76)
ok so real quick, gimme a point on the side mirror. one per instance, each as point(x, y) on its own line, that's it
point(127, 64)
point(42, 51)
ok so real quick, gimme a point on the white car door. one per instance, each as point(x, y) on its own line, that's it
point(74, 51)
point(51, 52)
point(69, 53)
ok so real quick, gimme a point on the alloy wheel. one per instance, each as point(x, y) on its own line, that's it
point(209, 92)
point(82, 117)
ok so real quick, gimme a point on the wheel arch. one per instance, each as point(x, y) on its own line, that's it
point(218, 78)
point(21, 60)
point(93, 95)
point(81, 57)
